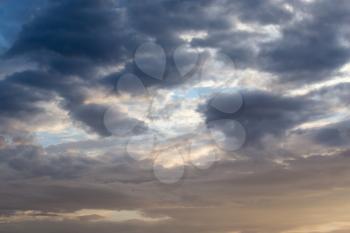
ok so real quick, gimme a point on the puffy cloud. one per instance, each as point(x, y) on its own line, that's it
point(312, 47)
point(266, 113)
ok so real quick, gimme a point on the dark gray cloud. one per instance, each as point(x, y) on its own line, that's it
point(313, 39)
point(237, 45)
point(94, 34)
point(266, 12)
point(266, 113)
point(241, 45)
point(186, 16)
point(92, 116)
point(313, 47)
point(329, 136)
point(27, 161)
point(77, 38)
point(18, 100)
point(74, 35)
point(332, 135)
point(23, 92)
point(69, 38)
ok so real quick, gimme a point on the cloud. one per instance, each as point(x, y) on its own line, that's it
point(312, 47)
point(266, 113)
point(229, 190)
point(71, 53)
point(91, 30)
point(91, 34)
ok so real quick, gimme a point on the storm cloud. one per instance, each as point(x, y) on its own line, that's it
point(63, 170)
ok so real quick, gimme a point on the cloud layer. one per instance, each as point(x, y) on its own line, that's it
point(63, 170)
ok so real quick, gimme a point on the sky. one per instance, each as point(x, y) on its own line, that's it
point(211, 116)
